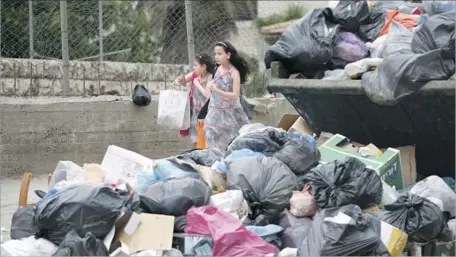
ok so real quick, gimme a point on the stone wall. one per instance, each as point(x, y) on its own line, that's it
point(38, 132)
point(31, 77)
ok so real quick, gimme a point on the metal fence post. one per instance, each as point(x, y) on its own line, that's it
point(65, 50)
point(1, 29)
point(100, 28)
point(30, 22)
point(190, 37)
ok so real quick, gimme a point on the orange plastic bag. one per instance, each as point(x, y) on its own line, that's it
point(407, 20)
point(201, 143)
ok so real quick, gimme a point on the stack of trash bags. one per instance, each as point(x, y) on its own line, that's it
point(395, 47)
point(267, 194)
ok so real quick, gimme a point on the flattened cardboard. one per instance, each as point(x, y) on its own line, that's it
point(293, 123)
point(154, 232)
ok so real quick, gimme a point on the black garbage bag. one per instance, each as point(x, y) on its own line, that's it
point(350, 14)
point(180, 223)
point(420, 218)
point(306, 45)
point(267, 185)
point(398, 41)
point(433, 58)
point(331, 235)
point(371, 27)
point(85, 208)
point(339, 183)
point(433, 7)
point(206, 157)
point(141, 96)
point(22, 224)
point(299, 155)
point(294, 229)
point(267, 142)
point(74, 245)
point(435, 33)
point(174, 196)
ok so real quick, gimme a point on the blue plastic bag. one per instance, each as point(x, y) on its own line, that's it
point(221, 166)
point(163, 169)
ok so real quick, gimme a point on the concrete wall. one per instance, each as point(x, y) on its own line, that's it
point(38, 132)
point(29, 77)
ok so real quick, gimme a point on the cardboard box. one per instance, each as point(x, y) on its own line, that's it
point(388, 165)
point(125, 165)
point(139, 232)
point(407, 157)
point(293, 123)
point(393, 238)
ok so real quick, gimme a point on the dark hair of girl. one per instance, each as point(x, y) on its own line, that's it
point(237, 61)
point(208, 61)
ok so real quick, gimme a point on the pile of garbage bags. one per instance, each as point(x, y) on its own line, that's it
point(394, 47)
point(267, 194)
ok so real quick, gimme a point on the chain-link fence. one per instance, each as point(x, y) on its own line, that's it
point(133, 31)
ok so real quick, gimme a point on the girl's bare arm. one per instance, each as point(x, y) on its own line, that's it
point(183, 80)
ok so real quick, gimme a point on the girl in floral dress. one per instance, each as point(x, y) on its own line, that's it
point(203, 71)
point(225, 114)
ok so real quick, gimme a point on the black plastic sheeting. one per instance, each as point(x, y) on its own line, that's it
point(424, 120)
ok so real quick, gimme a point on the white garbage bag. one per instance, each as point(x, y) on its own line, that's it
point(389, 195)
point(68, 171)
point(231, 201)
point(29, 246)
point(434, 187)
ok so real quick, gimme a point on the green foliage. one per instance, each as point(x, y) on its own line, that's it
point(293, 12)
point(125, 27)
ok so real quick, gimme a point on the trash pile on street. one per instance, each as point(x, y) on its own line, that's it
point(272, 192)
point(394, 47)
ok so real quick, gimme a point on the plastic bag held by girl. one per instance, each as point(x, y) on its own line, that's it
point(230, 237)
point(302, 204)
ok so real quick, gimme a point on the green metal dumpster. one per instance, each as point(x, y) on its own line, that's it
point(425, 119)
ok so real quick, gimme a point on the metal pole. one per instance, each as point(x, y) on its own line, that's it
point(0, 29)
point(65, 51)
point(100, 27)
point(30, 23)
point(190, 37)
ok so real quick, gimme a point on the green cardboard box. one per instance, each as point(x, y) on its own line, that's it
point(388, 165)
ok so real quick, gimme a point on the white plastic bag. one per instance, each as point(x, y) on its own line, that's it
point(389, 195)
point(339, 74)
point(302, 204)
point(356, 69)
point(377, 47)
point(452, 226)
point(66, 170)
point(231, 201)
point(435, 187)
point(174, 109)
point(28, 246)
point(252, 127)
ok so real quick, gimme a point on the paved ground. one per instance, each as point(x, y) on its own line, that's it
point(10, 197)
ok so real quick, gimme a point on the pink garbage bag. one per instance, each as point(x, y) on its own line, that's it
point(230, 237)
point(302, 204)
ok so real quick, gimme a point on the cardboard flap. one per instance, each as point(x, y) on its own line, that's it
point(151, 232)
